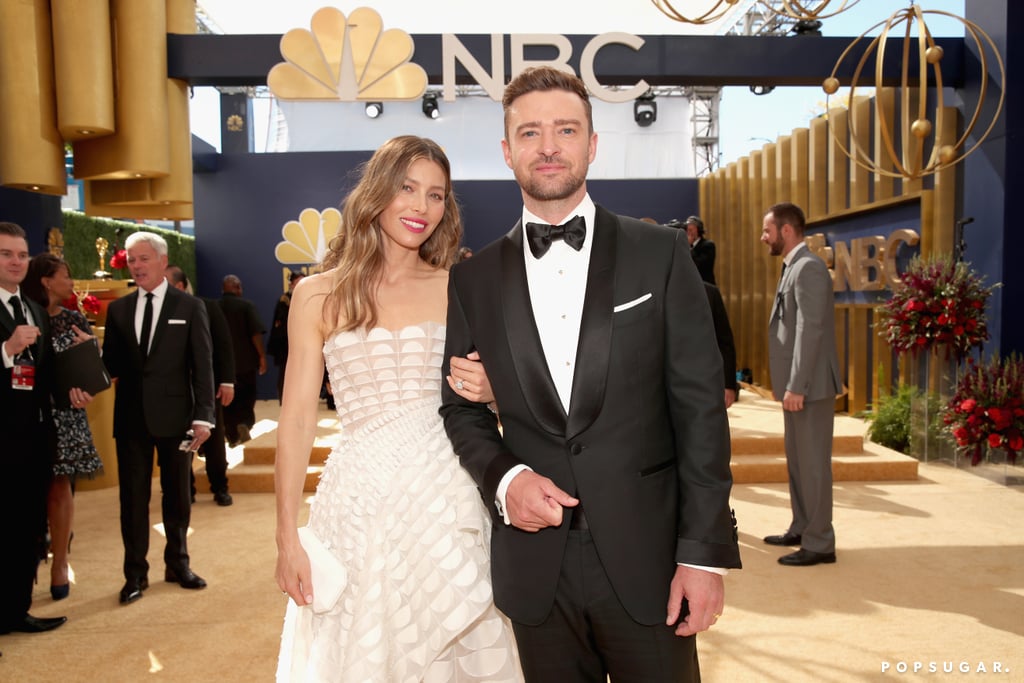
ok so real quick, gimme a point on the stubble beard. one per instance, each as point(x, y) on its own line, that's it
point(546, 190)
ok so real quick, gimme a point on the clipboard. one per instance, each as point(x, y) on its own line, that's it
point(80, 366)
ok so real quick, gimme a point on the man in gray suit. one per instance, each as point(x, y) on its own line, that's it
point(804, 371)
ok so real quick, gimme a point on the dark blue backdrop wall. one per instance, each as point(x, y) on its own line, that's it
point(243, 200)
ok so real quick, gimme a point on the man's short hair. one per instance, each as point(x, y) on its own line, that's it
point(695, 220)
point(788, 212)
point(543, 78)
point(158, 243)
point(12, 230)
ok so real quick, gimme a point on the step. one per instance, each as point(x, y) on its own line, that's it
point(255, 479)
point(876, 464)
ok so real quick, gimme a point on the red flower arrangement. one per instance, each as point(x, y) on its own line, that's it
point(87, 304)
point(119, 259)
point(988, 408)
point(938, 301)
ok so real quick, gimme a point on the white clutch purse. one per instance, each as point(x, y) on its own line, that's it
point(328, 573)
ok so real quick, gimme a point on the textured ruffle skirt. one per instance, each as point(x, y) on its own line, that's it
point(406, 520)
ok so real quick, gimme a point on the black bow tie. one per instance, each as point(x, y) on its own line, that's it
point(540, 235)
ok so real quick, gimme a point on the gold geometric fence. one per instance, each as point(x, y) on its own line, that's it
point(807, 168)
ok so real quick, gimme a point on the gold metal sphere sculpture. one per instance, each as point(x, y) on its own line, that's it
point(915, 127)
point(716, 12)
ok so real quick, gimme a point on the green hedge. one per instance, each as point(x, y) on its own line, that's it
point(81, 233)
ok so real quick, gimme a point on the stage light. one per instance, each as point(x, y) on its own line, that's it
point(430, 109)
point(645, 110)
point(374, 109)
point(761, 89)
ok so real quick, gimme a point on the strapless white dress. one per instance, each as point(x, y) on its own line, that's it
point(394, 505)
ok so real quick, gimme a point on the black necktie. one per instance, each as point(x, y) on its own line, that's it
point(19, 315)
point(147, 323)
point(540, 235)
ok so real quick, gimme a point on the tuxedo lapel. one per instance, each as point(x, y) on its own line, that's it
point(524, 340)
point(6, 319)
point(594, 348)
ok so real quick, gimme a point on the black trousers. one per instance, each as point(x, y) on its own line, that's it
point(589, 636)
point(135, 475)
point(242, 410)
point(26, 476)
point(216, 455)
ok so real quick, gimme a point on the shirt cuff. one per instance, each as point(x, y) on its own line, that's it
point(499, 495)
point(8, 361)
point(714, 570)
point(206, 424)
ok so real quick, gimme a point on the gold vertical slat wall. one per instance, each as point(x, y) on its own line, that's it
point(808, 168)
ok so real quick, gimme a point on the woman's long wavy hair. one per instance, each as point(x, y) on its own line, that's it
point(355, 256)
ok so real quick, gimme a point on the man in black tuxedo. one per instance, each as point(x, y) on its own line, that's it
point(29, 439)
point(157, 346)
point(701, 248)
point(609, 481)
point(250, 359)
point(214, 451)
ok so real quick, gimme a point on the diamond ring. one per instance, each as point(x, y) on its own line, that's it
point(459, 385)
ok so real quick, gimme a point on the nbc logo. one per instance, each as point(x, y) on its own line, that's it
point(347, 59)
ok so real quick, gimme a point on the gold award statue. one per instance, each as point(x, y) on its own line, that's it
point(101, 249)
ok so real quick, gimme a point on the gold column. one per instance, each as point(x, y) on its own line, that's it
point(83, 66)
point(139, 148)
point(818, 178)
point(169, 196)
point(31, 149)
point(860, 138)
point(838, 163)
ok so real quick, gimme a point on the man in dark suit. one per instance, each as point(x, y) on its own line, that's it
point(609, 482)
point(250, 359)
point(26, 423)
point(726, 344)
point(804, 368)
point(701, 248)
point(214, 451)
point(157, 345)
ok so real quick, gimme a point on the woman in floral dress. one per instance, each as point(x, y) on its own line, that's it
point(49, 283)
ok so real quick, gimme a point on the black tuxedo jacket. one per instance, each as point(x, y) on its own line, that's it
point(160, 395)
point(703, 253)
point(645, 444)
point(28, 414)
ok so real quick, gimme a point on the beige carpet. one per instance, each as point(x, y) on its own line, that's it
point(928, 571)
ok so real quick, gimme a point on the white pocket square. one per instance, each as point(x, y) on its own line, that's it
point(176, 321)
point(630, 304)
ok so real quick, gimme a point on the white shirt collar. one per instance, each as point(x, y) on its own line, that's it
point(788, 258)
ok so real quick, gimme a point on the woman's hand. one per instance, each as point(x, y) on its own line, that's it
point(293, 573)
point(469, 380)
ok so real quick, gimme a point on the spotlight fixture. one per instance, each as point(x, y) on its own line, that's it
point(645, 110)
point(430, 109)
point(807, 27)
point(761, 89)
point(374, 109)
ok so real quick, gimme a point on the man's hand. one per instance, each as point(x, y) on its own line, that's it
point(200, 434)
point(23, 337)
point(534, 502)
point(705, 593)
point(730, 397)
point(792, 402)
point(226, 394)
point(263, 365)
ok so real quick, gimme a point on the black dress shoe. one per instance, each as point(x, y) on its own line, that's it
point(783, 539)
point(805, 558)
point(31, 624)
point(222, 498)
point(186, 578)
point(132, 590)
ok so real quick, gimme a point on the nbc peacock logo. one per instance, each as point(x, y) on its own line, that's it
point(348, 59)
point(306, 240)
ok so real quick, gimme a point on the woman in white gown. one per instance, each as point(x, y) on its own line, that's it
point(393, 504)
